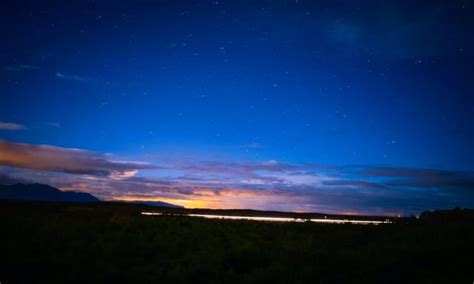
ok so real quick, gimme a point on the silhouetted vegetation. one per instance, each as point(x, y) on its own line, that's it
point(108, 242)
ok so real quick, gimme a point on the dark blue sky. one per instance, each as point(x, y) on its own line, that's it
point(222, 95)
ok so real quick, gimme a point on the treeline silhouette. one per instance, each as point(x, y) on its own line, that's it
point(43, 242)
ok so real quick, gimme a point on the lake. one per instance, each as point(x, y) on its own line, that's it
point(277, 219)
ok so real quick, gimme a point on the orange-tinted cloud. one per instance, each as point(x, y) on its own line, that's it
point(64, 160)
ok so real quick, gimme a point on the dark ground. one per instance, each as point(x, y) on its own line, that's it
point(98, 243)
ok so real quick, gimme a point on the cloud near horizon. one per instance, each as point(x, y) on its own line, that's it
point(269, 185)
point(65, 160)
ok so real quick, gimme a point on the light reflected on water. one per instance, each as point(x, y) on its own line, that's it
point(278, 219)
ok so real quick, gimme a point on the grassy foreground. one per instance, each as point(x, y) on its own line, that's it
point(97, 243)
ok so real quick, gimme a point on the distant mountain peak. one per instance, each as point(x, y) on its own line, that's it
point(43, 192)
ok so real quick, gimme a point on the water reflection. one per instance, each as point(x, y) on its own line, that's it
point(279, 219)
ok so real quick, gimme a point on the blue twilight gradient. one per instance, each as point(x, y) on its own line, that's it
point(387, 83)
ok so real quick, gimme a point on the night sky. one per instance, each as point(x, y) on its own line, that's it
point(361, 107)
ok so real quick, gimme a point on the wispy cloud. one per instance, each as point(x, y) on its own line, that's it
point(11, 126)
point(70, 77)
point(53, 124)
point(414, 177)
point(60, 75)
point(21, 67)
point(28, 67)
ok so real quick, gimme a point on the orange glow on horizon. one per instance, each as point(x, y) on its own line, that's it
point(231, 198)
point(188, 203)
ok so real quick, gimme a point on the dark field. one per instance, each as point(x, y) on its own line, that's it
point(97, 243)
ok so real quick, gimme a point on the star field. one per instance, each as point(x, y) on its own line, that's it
point(357, 106)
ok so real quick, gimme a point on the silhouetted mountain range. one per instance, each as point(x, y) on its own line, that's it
point(43, 192)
